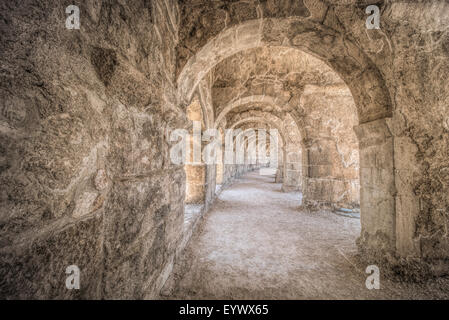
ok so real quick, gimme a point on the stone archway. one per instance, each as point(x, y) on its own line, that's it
point(255, 99)
point(248, 130)
point(290, 169)
point(343, 56)
point(365, 83)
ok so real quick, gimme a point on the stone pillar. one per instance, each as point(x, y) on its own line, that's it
point(329, 181)
point(407, 202)
point(196, 184)
point(209, 187)
point(305, 170)
point(321, 189)
point(219, 173)
point(279, 174)
point(377, 187)
point(292, 175)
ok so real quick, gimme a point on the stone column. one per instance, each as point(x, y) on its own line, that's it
point(377, 186)
point(196, 184)
point(279, 174)
point(321, 185)
point(408, 203)
point(219, 173)
point(210, 185)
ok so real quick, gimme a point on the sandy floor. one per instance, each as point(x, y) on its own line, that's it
point(256, 243)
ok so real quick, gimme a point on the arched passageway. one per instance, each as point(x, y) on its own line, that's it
point(313, 110)
point(89, 124)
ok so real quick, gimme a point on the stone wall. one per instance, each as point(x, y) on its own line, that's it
point(421, 130)
point(411, 52)
point(85, 174)
point(84, 165)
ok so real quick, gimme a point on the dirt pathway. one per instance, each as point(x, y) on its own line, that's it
point(256, 243)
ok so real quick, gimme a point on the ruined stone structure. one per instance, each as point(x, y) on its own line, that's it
point(86, 116)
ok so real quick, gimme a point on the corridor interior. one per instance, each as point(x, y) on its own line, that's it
point(97, 116)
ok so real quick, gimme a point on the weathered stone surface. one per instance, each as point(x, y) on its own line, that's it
point(85, 117)
point(83, 125)
point(36, 267)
